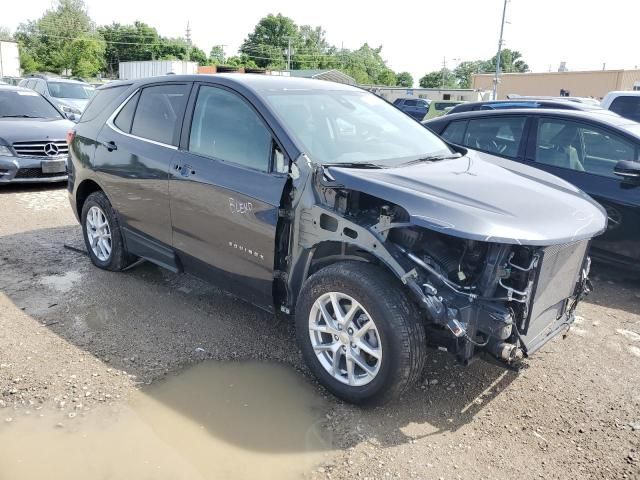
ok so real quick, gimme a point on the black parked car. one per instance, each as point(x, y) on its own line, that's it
point(522, 103)
point(320, 198)
point(596, 151)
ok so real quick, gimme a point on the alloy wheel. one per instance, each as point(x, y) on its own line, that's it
point(345, 339)
point(99, 233)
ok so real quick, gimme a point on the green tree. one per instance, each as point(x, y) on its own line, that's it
point(387, 77)
point(312, 50)
point(439, 79)
point(404, 79)
point(197, 55)
point(510, 61)
point(268, 42)
point(366, 66)
point(465, 70)
point(49, 42)
point(87, 56)
point(174, 48)
point(125, 43)
point(242, 60)
point(216, 55)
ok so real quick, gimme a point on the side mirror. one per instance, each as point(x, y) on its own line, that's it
point(628, 169)
point(71, 116)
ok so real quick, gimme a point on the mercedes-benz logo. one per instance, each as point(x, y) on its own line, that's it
point(51, 150)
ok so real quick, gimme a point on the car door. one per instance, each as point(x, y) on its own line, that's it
point(132, 159)
point(585, 155)
point(225, 194)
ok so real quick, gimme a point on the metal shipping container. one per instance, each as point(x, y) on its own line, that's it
point(154, 68)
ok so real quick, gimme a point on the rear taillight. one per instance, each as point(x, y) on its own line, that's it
point(70, 135)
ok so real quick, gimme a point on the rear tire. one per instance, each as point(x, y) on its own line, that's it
point(102, 234)
point(363, 368)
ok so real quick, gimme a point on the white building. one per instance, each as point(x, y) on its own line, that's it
point(458, 94)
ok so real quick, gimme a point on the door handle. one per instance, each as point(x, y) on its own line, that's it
point(110, 146)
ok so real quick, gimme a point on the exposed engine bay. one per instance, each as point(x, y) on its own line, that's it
point(504, 300)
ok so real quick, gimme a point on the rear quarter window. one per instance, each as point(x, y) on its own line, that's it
point(159, 113)
point(101, 100)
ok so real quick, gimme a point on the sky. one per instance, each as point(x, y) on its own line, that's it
point(416, 36)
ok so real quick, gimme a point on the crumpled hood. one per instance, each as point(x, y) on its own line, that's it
point(33, 129)
point(482, 197)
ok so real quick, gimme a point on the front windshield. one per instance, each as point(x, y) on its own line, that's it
point(25, 103)
point(70, 90)
point(342, 126)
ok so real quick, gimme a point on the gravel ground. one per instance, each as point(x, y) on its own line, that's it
point(73, 337)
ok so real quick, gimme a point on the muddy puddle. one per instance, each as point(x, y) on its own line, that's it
point(212, 421)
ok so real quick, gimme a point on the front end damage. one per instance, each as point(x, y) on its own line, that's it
point(496, 299)
point(500, 299)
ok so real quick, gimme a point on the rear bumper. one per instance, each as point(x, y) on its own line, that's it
point(27, 170)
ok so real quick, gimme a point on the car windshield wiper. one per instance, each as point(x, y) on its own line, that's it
point(18, 116)
point(433, 158)
point(352, 165)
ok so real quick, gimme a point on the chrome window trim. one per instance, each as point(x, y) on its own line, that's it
point(110, 123)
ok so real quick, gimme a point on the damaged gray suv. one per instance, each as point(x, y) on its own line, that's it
point(324, 202)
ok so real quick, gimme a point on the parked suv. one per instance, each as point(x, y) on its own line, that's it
point(323, 200)
point(33, 146)
point(414, 107)
point(70, 96)
point(624, 103)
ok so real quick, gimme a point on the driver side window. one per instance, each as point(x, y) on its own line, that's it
point(577, 146)
point(497, 135)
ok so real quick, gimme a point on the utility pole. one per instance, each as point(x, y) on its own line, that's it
point(188, 41)
point(289, 55)
point(497, 78)
point(444, 70)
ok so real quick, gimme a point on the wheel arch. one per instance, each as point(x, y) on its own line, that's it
point(326, 253)
point(84, 189)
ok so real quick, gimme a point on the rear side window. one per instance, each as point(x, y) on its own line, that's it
point(628, 107)
point(159, 113)
point(224, 127)
point(498, 135)
point(454, 133)
point(125, 117)
point(100, 101)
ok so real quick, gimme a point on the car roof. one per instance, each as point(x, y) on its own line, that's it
point(542, 101)
point(624, 93)
point(15, 88)
point(602, 116)
point(64, 80)
point(254, 81)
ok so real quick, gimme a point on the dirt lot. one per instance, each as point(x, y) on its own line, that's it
point(75, 339)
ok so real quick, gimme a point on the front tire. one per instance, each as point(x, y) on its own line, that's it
point(359, 333)
point(102, 234)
